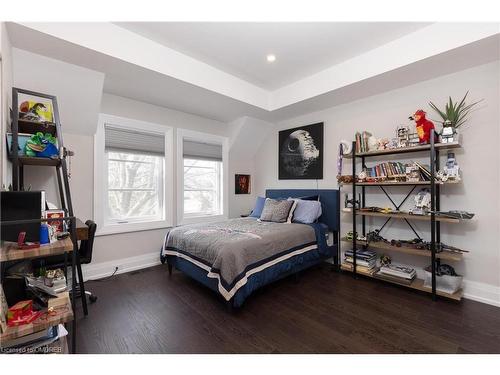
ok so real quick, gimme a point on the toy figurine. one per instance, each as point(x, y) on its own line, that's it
point(422, 203)
point(423, 126)
point(41, 145)
point(451, 170)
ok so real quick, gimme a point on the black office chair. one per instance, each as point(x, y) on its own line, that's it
point(84, 256)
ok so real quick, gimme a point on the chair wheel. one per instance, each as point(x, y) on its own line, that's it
point(93, 298)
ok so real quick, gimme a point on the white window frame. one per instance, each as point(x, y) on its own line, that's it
point(101, 177)
point(208, 138)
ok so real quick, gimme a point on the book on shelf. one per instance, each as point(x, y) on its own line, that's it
point(362, 269)
point(362, 253)
point(360, 262)
point(396, 279)
point(398, 270)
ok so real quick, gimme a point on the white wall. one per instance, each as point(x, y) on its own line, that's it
point(6, 100)
point(479, 160)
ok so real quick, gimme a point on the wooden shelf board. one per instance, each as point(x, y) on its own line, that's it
point(401, 183)
point(48, 162)
point(445, 255)
point(402, 215)
point(63, 314)
point(417, 284)
point(9, 250)
point(406, 150)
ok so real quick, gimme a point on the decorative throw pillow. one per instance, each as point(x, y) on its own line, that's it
point(259, 205)
point(277, 211)
point(306, 211)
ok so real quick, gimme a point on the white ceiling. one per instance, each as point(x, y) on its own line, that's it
point(301, 48)
point(135, 69)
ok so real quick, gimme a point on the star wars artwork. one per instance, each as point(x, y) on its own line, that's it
point(300, 153)
point(242, 184)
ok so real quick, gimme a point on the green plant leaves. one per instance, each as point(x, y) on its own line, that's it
point(455, 112)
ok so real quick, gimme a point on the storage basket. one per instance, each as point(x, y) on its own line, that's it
point(444, 283)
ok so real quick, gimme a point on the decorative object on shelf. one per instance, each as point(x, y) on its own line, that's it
point(345, 179)
point(447, 280)
point(412, 173)
point(345, 148)
point(372, 143)
point(455, 114)
point(385, 260)
point(448, 133)
point(422, 203)
point(455, 214)
point(451, 171)
point(382, 144)
point(242, 184)
point(403, 136)
point(300, 153)
point(350, 236)
point(36, 111)
point(423, 126)
point(349, 203)
point(41, 145)
point(21, 145)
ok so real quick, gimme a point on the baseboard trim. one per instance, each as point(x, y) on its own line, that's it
point(473, 290)
point(95, 271)
point(481, 292)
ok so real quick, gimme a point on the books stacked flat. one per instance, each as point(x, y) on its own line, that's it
point(398, 273)
point(366, 260)
point(36, 342)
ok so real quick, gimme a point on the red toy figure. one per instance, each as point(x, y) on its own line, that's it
point(424, 126)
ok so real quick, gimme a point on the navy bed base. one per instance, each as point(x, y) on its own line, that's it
point(330, 217)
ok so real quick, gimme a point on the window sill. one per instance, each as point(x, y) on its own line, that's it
point(202, 219)
point(132, 227)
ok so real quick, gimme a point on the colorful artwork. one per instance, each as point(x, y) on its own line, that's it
point(242, 184)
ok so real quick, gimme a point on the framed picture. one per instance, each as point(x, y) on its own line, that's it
point(242, 184)
point(300, 153)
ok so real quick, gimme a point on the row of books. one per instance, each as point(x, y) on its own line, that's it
point(362, 141)
point(388, 169)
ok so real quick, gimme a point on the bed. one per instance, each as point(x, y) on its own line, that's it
point(235, 257)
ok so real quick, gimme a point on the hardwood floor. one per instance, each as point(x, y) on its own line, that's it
point(326, 312)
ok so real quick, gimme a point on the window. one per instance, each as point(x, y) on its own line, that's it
point(202, 176)
point(135, 187)
point(132, 168)
point(202, 187)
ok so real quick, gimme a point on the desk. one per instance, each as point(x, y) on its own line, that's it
point(82, 230)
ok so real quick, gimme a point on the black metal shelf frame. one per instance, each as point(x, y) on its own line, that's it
point(62, 181)
point(435, 205)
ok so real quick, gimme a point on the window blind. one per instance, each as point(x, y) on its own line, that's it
point(126, 140)
point(201, 151)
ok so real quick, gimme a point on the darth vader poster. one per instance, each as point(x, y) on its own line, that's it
point(300, 153)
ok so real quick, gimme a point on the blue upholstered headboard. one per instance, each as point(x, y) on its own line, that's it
point(329, 198)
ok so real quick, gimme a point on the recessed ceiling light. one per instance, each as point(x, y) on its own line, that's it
point(271, 58)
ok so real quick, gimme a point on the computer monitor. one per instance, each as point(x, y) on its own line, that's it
point(21, 205)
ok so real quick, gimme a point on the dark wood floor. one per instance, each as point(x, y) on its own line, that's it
point(326, 312)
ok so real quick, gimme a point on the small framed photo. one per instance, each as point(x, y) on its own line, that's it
point(242, 184)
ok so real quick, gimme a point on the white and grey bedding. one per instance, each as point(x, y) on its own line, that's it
point(232, 250)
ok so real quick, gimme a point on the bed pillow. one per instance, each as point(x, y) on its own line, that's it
point(278, 211)
point(259, 205)
point(306, 211)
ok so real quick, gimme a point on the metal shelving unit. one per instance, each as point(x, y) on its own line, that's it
point(433, 150)
point(8, 252)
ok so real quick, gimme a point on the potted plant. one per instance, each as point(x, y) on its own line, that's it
point(454, 115)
